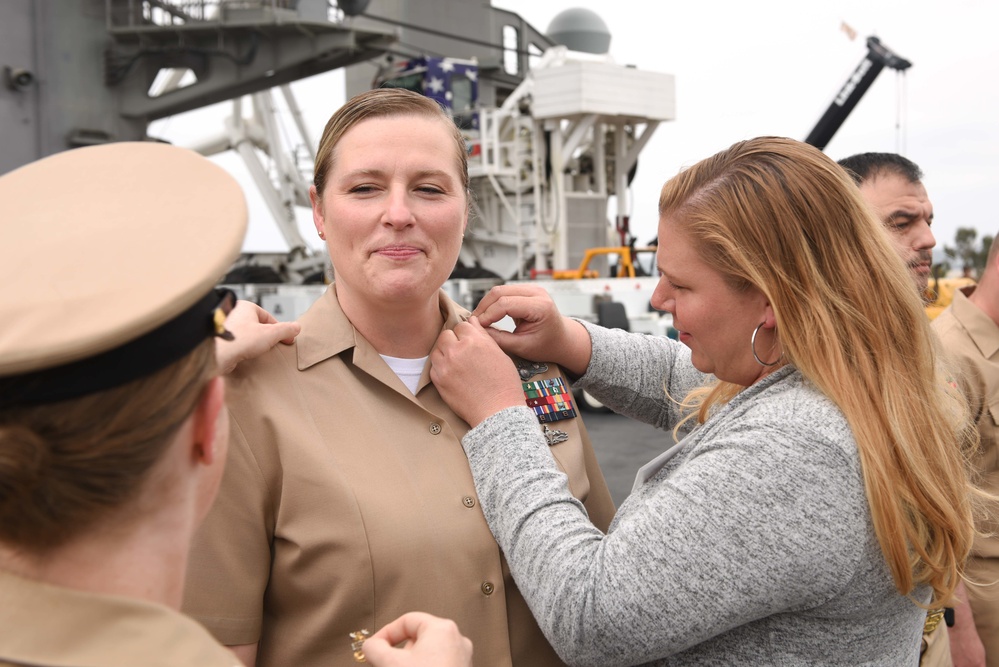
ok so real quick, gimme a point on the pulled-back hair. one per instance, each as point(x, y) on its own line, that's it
point(865, 166)
point(381, 103)
point(779, 215)
point(66, 466)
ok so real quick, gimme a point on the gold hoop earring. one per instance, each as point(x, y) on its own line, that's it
point(752, 346)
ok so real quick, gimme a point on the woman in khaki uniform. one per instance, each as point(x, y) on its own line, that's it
point(348, 499)
point(112, 432)
point(112, 429)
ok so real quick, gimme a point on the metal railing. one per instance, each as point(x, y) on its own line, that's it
point(165, 13)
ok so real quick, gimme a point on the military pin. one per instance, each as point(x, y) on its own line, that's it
point(529, 369)
point(357, 644)
point(555, 436)
point(226, 303)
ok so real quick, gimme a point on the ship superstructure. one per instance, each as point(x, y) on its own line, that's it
point(554, 126)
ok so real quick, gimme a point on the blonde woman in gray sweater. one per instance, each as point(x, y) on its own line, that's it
point(819, 501)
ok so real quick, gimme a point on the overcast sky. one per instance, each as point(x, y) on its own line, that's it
point(746, 69)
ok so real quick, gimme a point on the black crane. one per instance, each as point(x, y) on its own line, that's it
point(878, 57)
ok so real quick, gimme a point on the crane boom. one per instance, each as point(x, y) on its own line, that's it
point(878, 57)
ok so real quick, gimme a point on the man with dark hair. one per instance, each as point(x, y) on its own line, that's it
point(969, 329)
point(892, 185)
point(865, 166)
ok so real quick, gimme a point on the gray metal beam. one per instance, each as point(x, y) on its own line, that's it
point(228, 60)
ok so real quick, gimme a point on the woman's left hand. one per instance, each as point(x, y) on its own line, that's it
point(473, 375)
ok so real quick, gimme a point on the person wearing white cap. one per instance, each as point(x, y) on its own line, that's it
point(113, 432)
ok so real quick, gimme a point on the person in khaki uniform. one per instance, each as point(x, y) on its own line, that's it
point(969, 329)
point(112, 429)
point(112, 433)
point(892, 185)
point(348, 499)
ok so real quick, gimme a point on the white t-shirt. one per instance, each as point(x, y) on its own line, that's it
point(408, 370)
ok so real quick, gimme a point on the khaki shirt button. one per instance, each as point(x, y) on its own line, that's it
point(435, 428)
point(469, 501)
point(487, 588)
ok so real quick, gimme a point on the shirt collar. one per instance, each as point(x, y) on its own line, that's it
point(326, 331)
point(980, 327)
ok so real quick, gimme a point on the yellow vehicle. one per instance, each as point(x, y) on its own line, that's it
point(625, 265)
point(941, 293)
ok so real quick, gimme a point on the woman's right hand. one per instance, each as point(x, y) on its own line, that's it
point(429, 642)
point(255, 331)
point(541, 333)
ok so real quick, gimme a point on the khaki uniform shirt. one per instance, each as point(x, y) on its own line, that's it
point(972, 338)
point(348, 501)
point(50, 626)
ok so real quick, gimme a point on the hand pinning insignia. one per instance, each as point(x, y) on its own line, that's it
point(555, 436)
point(529, 369)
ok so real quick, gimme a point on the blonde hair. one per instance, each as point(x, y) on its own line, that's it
point(65, 466)
point(779, 215)
point(382, 103)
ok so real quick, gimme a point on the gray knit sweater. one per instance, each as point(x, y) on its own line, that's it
point(751, 545)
